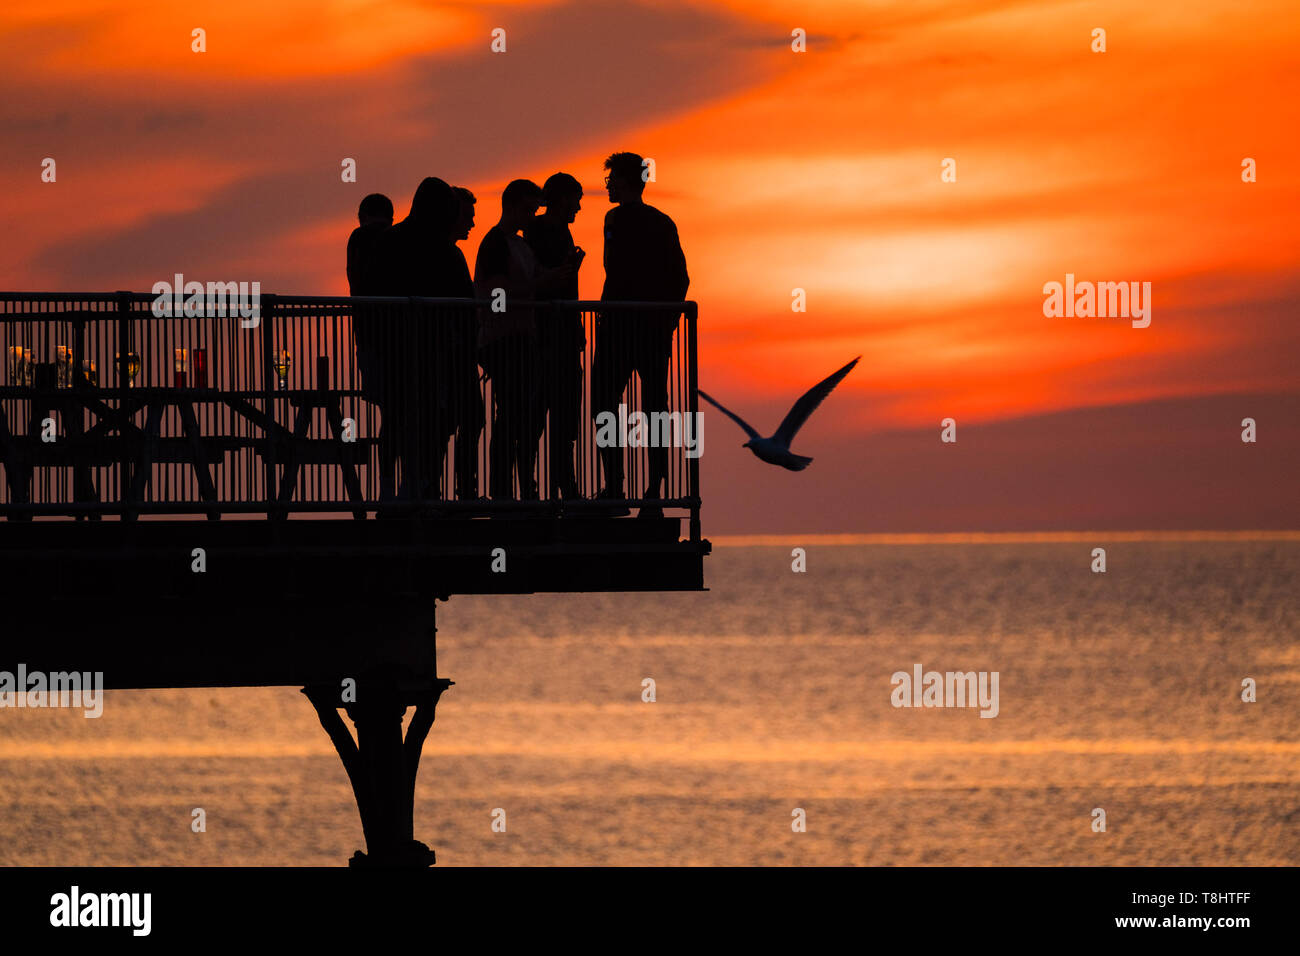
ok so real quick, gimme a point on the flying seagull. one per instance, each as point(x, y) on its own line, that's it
point(776, 450)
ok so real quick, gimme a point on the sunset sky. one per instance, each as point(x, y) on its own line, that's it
point(816, 170)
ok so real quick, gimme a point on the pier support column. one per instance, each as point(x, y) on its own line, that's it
point(380, 763)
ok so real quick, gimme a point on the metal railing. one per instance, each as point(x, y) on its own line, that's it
point(363, 406)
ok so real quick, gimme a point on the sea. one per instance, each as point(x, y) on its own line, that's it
point(1147, 714)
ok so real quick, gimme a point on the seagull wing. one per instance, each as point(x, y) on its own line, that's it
point(730, 414)
point(807, 405)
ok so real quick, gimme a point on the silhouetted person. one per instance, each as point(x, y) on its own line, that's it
point(375, 216)
point(466, 399)
point(560, 335)
point(507, 339)
point(416, 257)
point(643, 262)
point(465, 215)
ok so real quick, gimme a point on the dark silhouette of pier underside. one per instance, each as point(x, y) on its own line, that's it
point(307, 577)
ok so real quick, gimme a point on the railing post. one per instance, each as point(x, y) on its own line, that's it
point(692, 315)
point(271, 489)
point(123, 347)
point(414, 437)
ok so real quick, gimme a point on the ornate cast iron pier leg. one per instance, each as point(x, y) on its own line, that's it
point(381, 764)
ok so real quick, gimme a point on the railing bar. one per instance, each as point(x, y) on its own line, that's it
point(315, 327)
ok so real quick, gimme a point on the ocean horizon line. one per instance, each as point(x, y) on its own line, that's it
point(992, 537)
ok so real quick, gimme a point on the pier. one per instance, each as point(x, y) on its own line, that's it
point(200, 501)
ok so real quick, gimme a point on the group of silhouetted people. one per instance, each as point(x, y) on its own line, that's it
point(423, 371)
